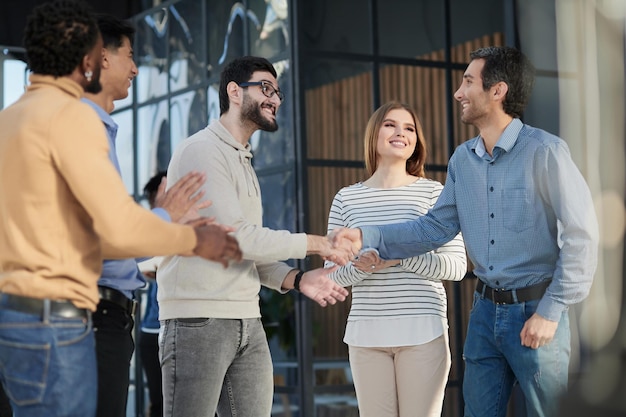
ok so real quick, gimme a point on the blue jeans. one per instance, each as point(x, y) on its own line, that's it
point(211, 365)
point(48, 365)
point(495, 360)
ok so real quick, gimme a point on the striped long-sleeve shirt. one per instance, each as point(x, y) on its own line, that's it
point(404, 304)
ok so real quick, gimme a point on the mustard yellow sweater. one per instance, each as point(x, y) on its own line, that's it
point(63, 206)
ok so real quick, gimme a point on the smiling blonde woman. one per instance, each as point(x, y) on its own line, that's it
point(397, 329)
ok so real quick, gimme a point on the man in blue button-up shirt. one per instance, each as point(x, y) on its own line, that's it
point(530, 230)
point(113, 319)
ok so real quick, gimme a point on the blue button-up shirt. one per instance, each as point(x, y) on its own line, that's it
point(120, 274)
point(526, 215)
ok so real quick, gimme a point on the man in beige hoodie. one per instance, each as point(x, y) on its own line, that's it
point(214, 353)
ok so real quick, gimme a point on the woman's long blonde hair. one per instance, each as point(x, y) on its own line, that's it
point(415, 164)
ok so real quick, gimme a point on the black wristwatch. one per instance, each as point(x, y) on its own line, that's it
point(296, 281)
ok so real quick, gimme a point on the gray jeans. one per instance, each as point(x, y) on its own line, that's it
point(211, 365)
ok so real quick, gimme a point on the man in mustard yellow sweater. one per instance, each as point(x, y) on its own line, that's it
point(63, 209)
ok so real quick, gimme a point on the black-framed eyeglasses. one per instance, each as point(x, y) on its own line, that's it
point(267, 89)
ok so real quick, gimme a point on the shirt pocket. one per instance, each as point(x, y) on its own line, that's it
point(518, 210)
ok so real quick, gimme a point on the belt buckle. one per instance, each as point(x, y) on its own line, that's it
point(496, 298)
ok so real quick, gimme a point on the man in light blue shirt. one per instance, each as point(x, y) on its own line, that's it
point(113, 321)
point(530, 230)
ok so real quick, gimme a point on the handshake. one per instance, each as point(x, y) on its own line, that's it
point(215, 243)
point(342, 245)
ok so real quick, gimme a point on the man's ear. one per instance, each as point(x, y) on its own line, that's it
point(105, 58)
point(499, 90)
point(234, 92)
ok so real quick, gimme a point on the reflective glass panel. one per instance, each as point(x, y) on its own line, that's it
point(225, 33)
point(151, 54)
point(187, 115)
point(475, 24)
point(153, 140)
point(187, 44)
point(538, 37)
point(277, 148)
point(279, 201)
point(269, 34)
point(277, 310)
point(14, 80)
point(411, 28)
point(124, 146)
point(213, 102)
point(337, 26)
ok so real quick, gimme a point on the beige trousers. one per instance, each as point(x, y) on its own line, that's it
point(407, 381)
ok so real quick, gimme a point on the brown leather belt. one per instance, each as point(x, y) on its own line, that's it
point(42, 307)
point(118, 298)
point(519, 295)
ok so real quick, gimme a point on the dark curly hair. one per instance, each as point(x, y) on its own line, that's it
point(240, 70)
point(58, 35)
point(507, 64)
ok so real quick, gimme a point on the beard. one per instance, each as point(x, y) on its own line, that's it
point(251, 112)
point(477, 111)
point(94, 86)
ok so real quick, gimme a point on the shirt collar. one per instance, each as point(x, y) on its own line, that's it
point(102, 114)
point(506, 141)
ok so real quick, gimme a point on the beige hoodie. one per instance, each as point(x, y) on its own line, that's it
point(193, 287)
point(63, 206)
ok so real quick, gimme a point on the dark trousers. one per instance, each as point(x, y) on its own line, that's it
point(149, 352)
point(5, 405)
point(114, 348)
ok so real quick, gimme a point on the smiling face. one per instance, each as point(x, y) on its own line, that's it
point(475, 101)
point(397, 135)
point(119, 69)
point(256, 107)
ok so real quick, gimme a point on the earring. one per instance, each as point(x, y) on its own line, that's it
point(88, 75)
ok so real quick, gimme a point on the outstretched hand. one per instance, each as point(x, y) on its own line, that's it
point(182, 201)
point(316, 285)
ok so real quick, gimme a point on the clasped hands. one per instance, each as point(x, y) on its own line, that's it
point(344, 245)
point(347, 247)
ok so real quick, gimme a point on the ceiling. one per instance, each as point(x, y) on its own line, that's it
point(13, 14)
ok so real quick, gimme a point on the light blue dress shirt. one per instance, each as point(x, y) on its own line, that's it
point(120, 274)
point(526, 215)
